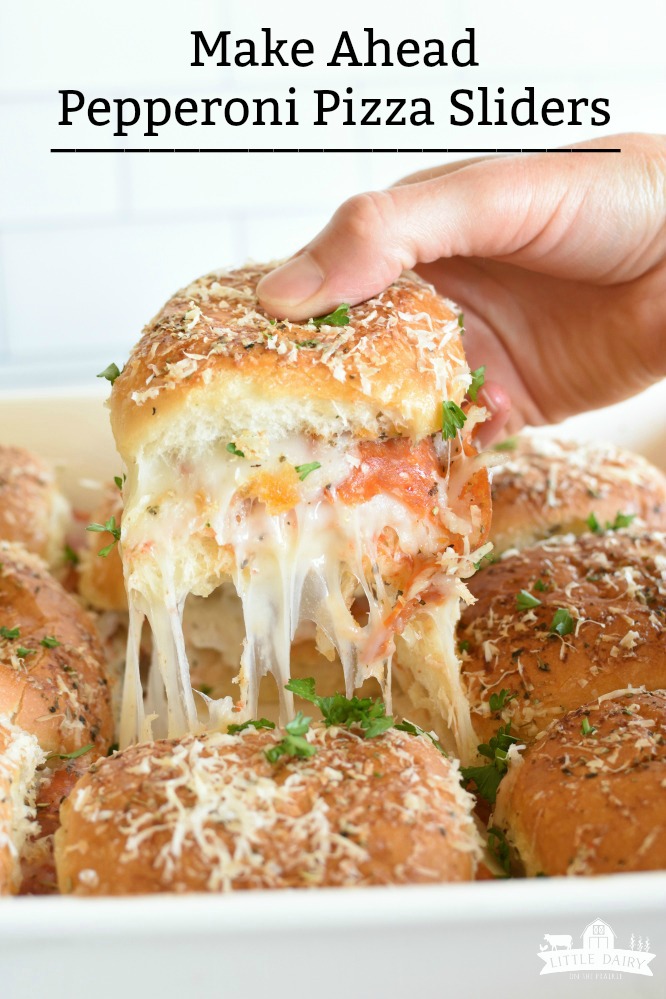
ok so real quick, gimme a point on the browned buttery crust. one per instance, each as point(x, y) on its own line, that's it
point(614, 589)
point(592, 804)
point(59, 694)
point(212, 814)
point(400, 355)
point(551, 487)
point(27, 495)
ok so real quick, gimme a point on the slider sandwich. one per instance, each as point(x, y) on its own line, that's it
point(53, 680)
point(548, 487)
point(263, 808)
point(588, 796)
point(325, 469)
point(561, 623)
point(20, 758)
point(33, 511)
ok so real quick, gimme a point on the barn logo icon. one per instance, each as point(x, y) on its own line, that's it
point(597, 953)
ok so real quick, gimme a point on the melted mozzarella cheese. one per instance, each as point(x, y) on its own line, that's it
point(191, 523)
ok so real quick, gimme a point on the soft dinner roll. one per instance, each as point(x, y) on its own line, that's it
point(384, 374)
point(101, 581)
point(212, 814)
point(551, 487)
point(33, 512)
point(309, 465)
point(20, 756)
point(600, 625)
point(52, 675)
point(588, 795)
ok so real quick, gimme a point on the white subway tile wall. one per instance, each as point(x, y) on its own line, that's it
point(90, 246)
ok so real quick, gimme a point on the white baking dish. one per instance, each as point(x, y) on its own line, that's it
point(449, 940)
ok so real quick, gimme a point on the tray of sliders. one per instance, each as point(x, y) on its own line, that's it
point(289, 665)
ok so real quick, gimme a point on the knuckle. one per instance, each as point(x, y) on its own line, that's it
point(367, 215)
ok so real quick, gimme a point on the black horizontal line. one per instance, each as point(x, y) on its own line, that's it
point(338, 150)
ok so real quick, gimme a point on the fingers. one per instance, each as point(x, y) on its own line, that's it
point(498, 404)
point(545, 212)
point(373, 237)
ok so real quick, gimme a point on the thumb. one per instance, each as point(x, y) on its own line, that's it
point(488, 208)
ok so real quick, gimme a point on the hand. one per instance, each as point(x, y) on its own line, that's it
point(558, 261)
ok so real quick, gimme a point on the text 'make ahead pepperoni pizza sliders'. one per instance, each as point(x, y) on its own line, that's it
point(562, 623)
point(320, 466)
point(221, 812)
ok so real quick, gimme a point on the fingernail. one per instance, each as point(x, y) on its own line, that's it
point(291, 283)
point(493, 397)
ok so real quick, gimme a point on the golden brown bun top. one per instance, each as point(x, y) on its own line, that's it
point(386, 373)
point(58, 693)
point(613, 587)
point(211, 814)
point(101, 582)
point(552, 487)
point(32, 510)
point(592, 803)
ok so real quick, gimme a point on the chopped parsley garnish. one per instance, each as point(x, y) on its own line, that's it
point(119, 481)
point(111, 372)
point(74, 755)
point(489, 557)
point(488, 777)
point(463, 646)
point(586, 728)
point(540, 586)
point(307, 343)
point(251, 723)
point(71, 556)
point(294, 742)
point(593, 523)
point(499, 848)
point(339, 317)
point(232, 449)
point(9, 632)
point(23, 653)
point(461, 319)
point(510, 444)
point(111, 528)
point(498, 701)
point(453, 419)
point(562, 623)
point(621, 520)
point(49, 642)
point(366, 712)
point(412, 729)
point(304, 470)
point(478, 378)
point(525, 601)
